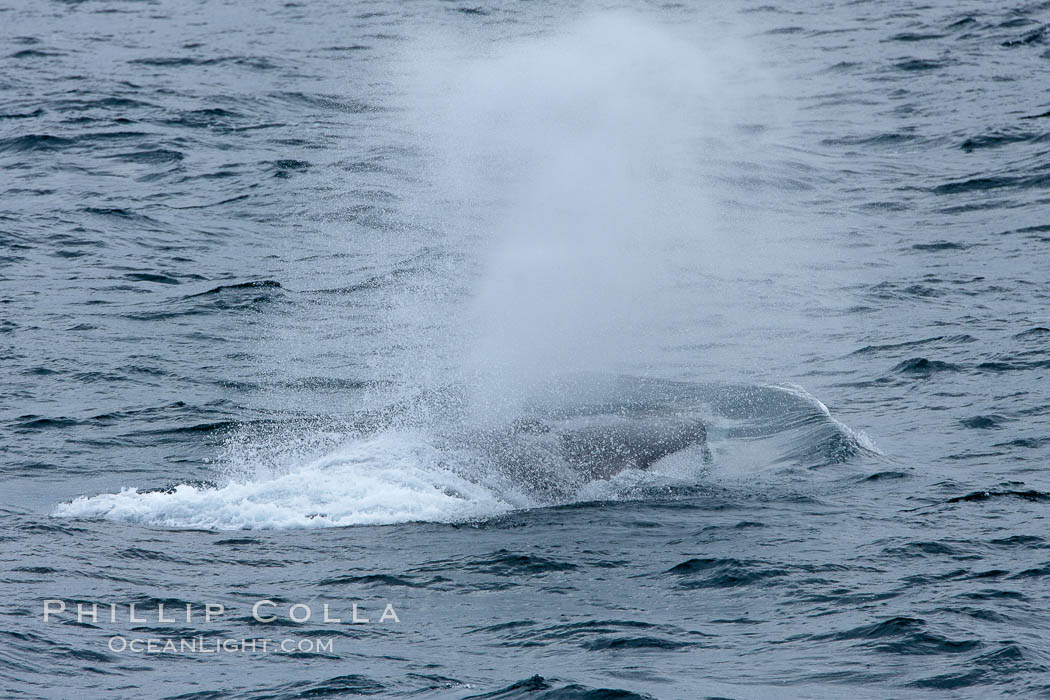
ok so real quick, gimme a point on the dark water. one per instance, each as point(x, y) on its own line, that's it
point(240, 277)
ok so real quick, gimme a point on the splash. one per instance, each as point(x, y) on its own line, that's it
point(587, 169)
point(389, 478)
point(453, 471)
point(590, 213)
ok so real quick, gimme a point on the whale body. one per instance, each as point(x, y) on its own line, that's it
point(565, 432)
point(553, 458)
point(600, 446)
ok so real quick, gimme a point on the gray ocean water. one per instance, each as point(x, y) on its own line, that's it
point(279, 281)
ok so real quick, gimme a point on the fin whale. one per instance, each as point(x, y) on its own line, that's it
point(552, 458)
point(600, 446)
point(563, 434)
point(566, 434)
point(574, 429)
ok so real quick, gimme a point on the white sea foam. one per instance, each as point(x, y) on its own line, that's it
point(391, 478)
point(394, 477)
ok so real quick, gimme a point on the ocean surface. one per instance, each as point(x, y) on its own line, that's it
point(297, 300)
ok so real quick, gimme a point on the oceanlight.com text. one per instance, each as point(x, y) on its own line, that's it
point(219, 645)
